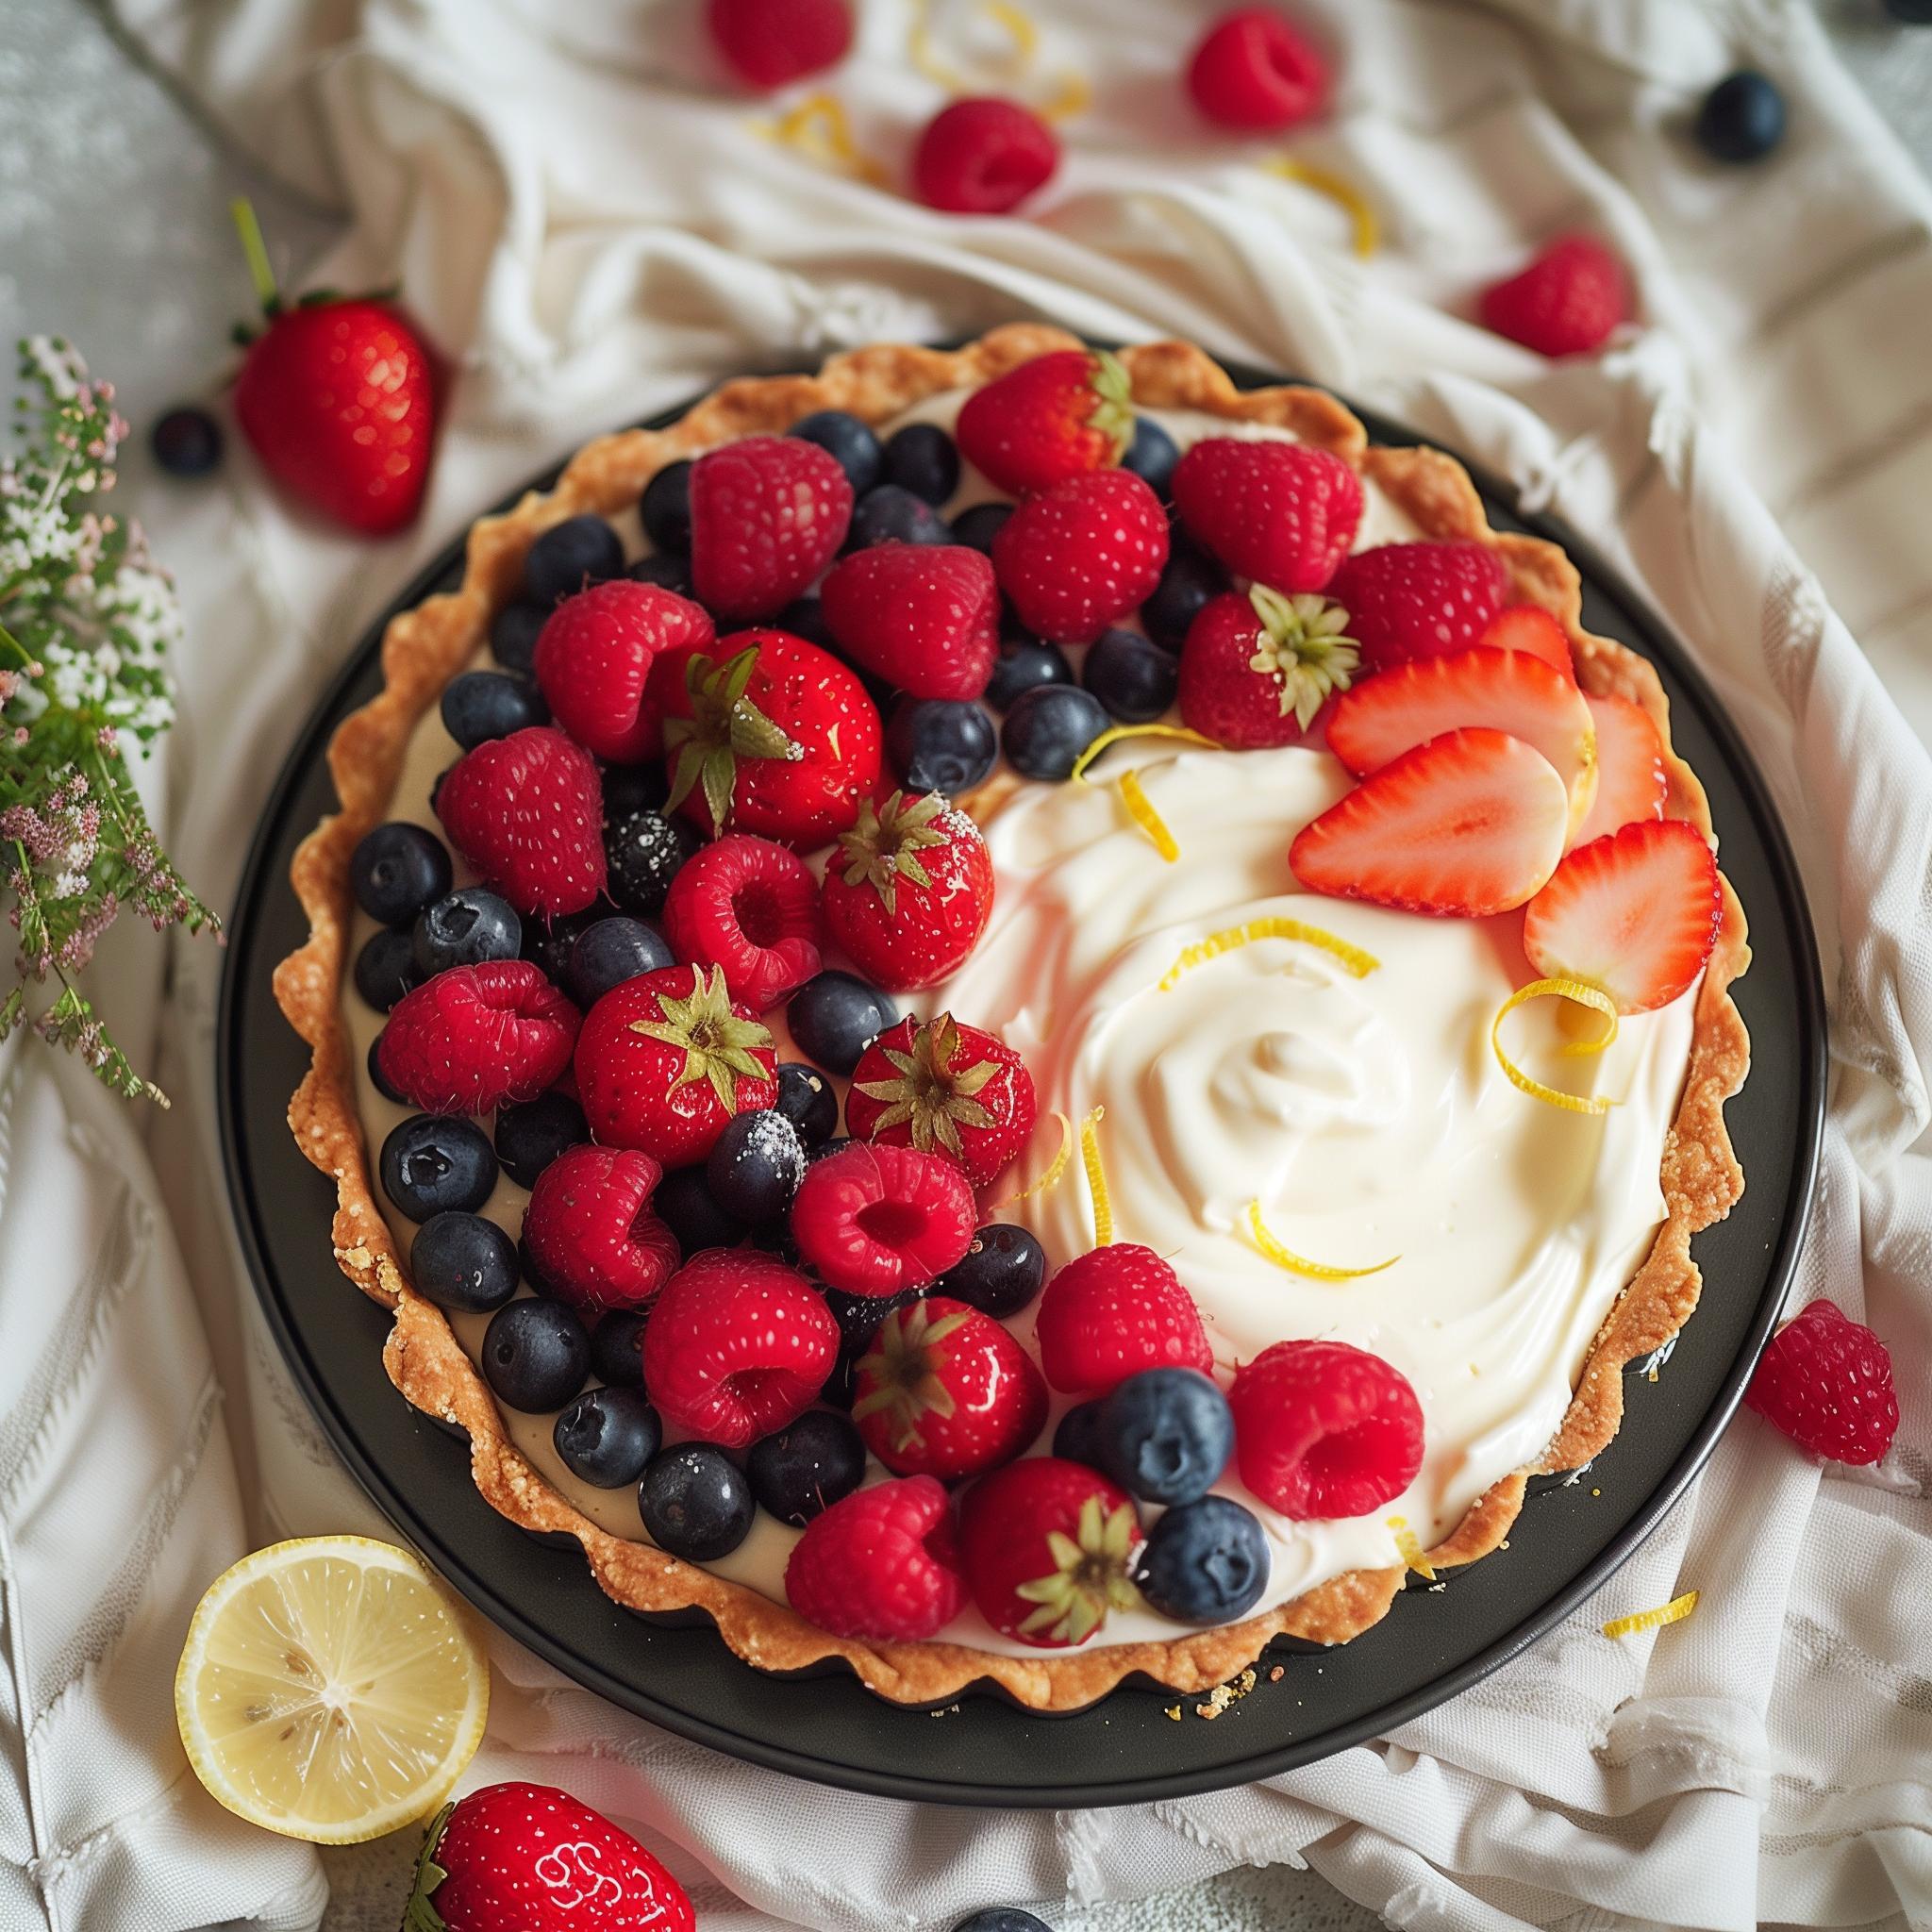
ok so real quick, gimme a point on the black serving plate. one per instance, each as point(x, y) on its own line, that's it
point(987, 1750)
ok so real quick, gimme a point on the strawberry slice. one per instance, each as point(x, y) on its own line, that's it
point(1635, 913)
point(1631, 781)
point(1530, 627)
point(1508, 690)
point(1470, 823)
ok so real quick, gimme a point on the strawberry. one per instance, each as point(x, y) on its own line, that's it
point(1082, 555)
point(924, 616)
point(1047, 420)
point(1323, 1429)
point(517, 1858)
point(947, 1088)
point(1568, 302)
point(1471, 823)
point(593, 662)
point(945, 1390)
point(909, 889)
point(527, 812)
point(1634, 912)
point(769, 735)
point(665, 1060)
point(767, 514)
point(751, 908)
point(1279, 512)
point(1255, 669)
point(475, 1037)
point(1419, 600)
point(1530, 627)
point(1631, 780)
point(877, 1221)
point(881, 1564)
point(1825, 1381)
point(590, 1233)
point(737, 1345)
point(1113, 1311)
point(1049, 1548)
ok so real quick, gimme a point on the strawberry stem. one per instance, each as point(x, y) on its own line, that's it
point(260, 270)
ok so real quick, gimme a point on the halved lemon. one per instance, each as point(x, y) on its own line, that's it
point(330, 1689)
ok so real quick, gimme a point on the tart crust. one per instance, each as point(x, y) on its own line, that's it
point(425, 647)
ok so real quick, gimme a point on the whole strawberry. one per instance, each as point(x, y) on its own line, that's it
point(882, 1563)
point(517, 1858)
point(947, 1088)
point(338, 399)
point(1419, 600)
point(767, 735)
point(1568, 302)
point(527, 812)
point(909, 891)
point(1082, 555)
point(475, 1037)
point(1825, 1381)
point(924, 616)
point(767, 514)
point(1256, 669)
point(1280, 512)
point(594, 663)
point(1049, 419)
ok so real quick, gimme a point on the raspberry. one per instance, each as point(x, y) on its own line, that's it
point(1323, 1429)
point(882, 1564)
point(767, 514)
point(1279, 512)
point(750, 907)
point(768, 43)
point(922, 616)
point(590, 1231)
point(593, 660)
point(1567, 301)
point(1419, 600)
point(527, 812)
point(1110, 1313)
point(1253, 70)
point(943, 1089)
point(477, 1036)
point(876, 1220)
point(1825, 1381)
point(737, 1345)
point(982, 156)
point(1082, 555)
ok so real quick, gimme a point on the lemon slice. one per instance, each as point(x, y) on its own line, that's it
point(330, 1690)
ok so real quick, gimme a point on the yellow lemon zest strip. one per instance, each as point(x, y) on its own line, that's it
point(1055, 1168)
point(1585, 996)
point(1232, 938)
point(1071, 94)
point(1114, 733)
point(1673, 1612)
point(818, 129)
point(1018, 23)
point(1299, 1264)
point(1073, 97)
point(1096, 1179)
point(1340, 189)
point(1140, 810)
point(1411, 1546)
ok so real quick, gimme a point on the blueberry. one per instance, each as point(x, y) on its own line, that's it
point(645, 852)
point(380, 1080)
point(465, 928)
point(922, 458)
point(462, 1261)
point(848, 441)
point(684, 1204)
point(385, 969)
point(808, 1101)
point(1077, 1437)
point(1742, 118)
point(666, 570)
point(1002, 1919)
point(858, 1315)
point(1131, 675)
point(579, 551)
point(482, 705)
point(755, 1166)
point(187, 442)
point(940, 744)
point(549, 937)
point(1025, 661)
point(430, 1165)
point(665, 507)
point(695, 1504)
point(1166, 1435)
point(536, 1354)
point(608, 1436)
point(634, 787)
point(891, 515)
point(1190, 582)
point(514, 633)
point(1000, 1274)
point(804, 617)
point(1151, 455)
point(836, 1016)
point(806, 1468)
point(611, 952)
point(976, 527)
point(616, 1347)
point(532, 1133)
point(1047, 729)
point(1205, 1562)
point(396, 870)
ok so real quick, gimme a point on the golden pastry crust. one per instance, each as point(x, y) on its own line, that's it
point(423, 648)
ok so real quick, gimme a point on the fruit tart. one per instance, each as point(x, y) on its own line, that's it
point(1017, 1016)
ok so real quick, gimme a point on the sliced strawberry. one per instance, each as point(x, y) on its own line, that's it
point(1470, 823)
point(1530, 627)
point(1631, 781)
point(1634, 912)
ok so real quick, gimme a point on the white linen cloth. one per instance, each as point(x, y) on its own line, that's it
point(585, 224)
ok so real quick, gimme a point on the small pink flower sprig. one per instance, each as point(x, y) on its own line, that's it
point(86, 621)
